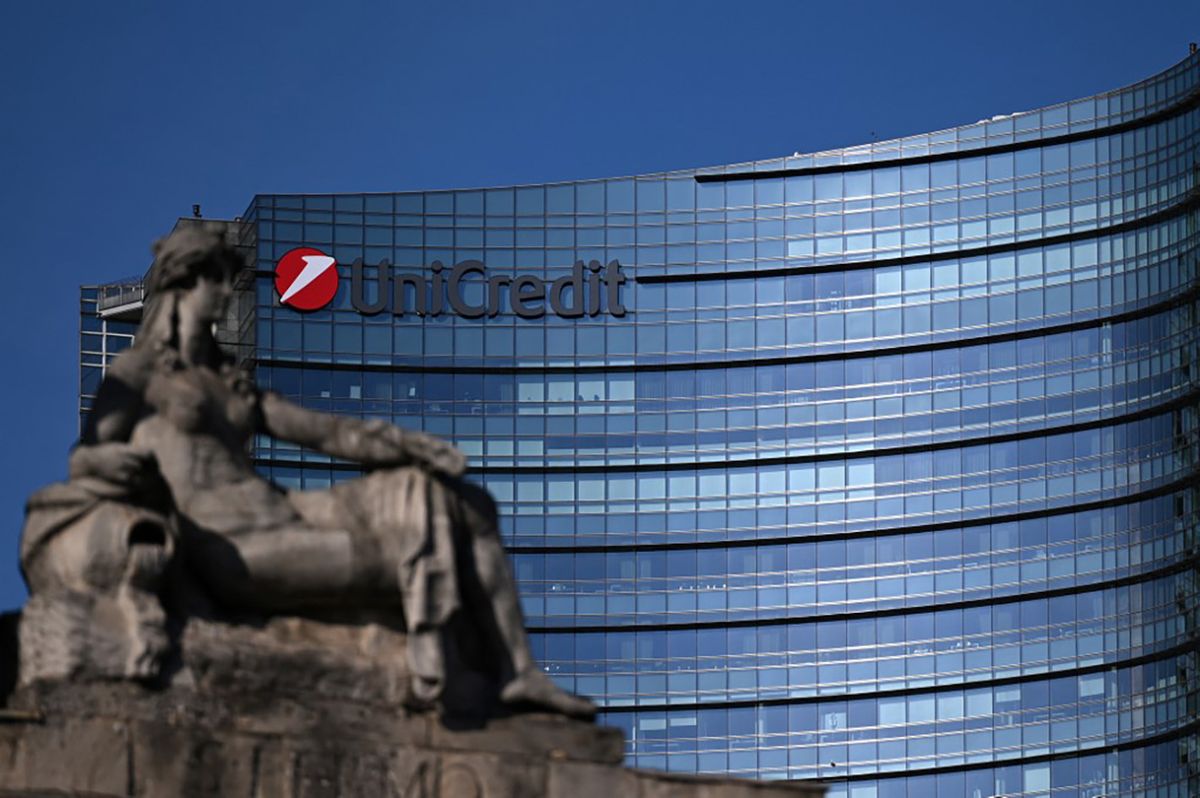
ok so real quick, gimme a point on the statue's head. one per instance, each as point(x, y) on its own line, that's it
point(194, 266)
point(189, 254)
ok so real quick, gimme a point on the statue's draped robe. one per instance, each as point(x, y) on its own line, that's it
point(410, 509)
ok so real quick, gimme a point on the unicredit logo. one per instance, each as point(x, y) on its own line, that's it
point(306, 279)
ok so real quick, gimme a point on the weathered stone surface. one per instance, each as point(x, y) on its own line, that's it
point(51, 758)
point(103, 740)
point(94, 556)
point(293, 656)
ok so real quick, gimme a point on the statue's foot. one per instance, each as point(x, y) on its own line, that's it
point(535, 687)
point(421, 694)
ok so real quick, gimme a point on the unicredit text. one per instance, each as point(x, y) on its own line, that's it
point(468, 291)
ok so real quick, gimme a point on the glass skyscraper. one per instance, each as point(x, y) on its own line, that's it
point(875, 465)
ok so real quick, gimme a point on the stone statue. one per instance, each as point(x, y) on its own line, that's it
point(162, 481)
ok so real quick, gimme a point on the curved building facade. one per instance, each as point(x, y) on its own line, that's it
point(875, 465)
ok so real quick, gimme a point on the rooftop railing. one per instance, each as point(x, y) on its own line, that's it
point(120, 294)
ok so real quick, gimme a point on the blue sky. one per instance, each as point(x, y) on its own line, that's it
point(116, 117)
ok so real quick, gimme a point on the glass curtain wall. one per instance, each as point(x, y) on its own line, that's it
point(887, 477)
point(104, 334)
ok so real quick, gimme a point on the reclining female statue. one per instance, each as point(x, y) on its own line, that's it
point(410, 529)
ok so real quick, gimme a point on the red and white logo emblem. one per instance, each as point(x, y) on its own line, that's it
point(306, 279)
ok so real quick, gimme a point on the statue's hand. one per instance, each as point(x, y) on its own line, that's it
point(118, 463)
point(434, 454)
point(444, 458)
point(380, 444)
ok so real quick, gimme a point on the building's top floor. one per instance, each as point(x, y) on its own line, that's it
point(1160, 96)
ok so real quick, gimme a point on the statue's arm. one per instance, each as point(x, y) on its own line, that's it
point(119, 401)
point(103, 450)
point(372, 443)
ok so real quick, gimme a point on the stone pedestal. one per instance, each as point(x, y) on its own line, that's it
point(298, 709)
point(120, 739)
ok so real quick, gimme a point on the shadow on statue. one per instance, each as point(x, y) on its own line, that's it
point(8, 654)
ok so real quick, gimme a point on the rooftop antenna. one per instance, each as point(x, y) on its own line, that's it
point(196, 210)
